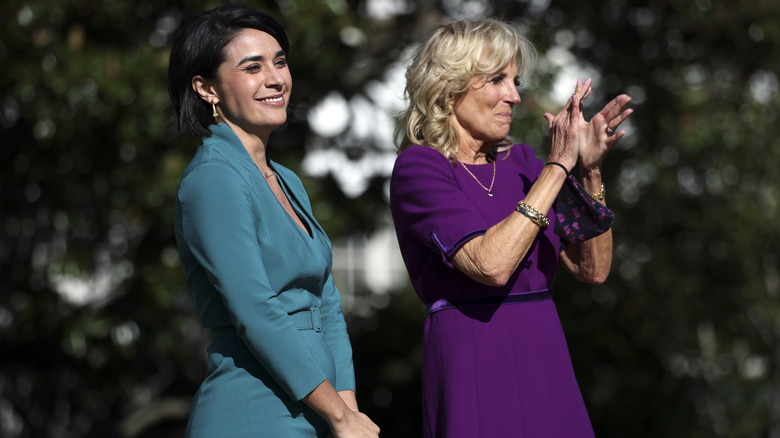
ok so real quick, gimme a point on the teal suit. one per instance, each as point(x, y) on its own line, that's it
point(264, 288)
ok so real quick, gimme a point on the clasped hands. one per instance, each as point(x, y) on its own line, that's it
point(573, 138)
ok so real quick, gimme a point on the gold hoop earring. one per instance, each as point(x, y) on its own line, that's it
point(214, 113)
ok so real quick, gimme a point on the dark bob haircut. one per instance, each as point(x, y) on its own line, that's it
point(199, 49)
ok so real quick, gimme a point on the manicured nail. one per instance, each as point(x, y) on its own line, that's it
point(579, 81)
point(588, 81)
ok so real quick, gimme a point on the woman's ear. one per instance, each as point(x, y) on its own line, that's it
point(204, 89)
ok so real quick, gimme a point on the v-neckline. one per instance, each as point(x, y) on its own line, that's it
point(225, 133)
point(307, 227)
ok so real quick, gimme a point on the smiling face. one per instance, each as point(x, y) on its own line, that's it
point(483, 114)
point(253, 84)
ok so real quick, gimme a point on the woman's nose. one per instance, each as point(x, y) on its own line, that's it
point(514, 96)
point(274, 79)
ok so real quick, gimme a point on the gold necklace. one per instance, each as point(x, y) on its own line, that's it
point(266, 175)
point(489, 190)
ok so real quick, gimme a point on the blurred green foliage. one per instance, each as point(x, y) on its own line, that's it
point(96, 330)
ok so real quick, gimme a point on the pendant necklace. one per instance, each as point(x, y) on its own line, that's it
point(489, 190)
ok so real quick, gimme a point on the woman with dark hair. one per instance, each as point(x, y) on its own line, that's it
point(483, 225)
point(257, 263)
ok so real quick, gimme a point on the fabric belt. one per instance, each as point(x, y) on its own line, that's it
point(307, 319)
point(483, 300)
point(303, 320)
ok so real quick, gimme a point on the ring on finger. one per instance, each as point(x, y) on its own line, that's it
point(610, 131)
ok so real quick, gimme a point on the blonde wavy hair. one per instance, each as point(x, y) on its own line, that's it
point(442, 68)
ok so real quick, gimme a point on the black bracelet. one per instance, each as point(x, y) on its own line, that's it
point(559, 165)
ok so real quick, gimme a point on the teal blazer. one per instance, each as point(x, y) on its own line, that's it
point(264, 288)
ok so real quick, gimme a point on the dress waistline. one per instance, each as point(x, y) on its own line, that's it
point(304, 320)
point(482, 300)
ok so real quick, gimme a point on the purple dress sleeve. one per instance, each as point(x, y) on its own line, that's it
point(431, 203)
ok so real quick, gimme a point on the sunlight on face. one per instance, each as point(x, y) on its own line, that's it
point(483, 114)
point(254, 83)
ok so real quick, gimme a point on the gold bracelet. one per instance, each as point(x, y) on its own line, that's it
point(535, 219)
point(600, 195)
point(535, 215)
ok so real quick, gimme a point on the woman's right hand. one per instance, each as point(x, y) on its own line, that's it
point(344, 422)
point(566, 131)
point(354, 424)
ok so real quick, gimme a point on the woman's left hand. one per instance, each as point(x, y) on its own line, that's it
point(603, 132)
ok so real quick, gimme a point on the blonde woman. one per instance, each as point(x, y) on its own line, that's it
point(483, 224)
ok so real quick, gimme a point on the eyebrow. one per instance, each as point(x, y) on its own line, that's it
point(254, 58)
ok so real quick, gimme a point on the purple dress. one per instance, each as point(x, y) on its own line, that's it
point(496, 363)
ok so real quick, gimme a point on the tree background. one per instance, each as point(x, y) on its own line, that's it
point(97, 336)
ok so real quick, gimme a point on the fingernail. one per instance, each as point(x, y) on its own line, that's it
point(579, 81)
point(588, 81)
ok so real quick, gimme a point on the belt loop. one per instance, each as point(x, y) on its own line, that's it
point(316, 321)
